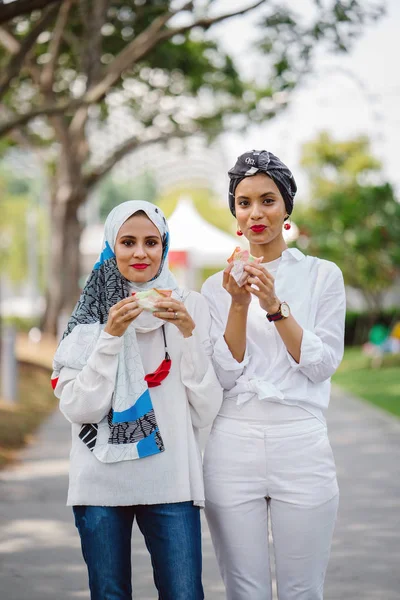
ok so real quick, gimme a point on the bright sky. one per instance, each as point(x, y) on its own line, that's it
point(367, 102)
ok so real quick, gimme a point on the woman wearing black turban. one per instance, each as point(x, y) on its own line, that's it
point(277, 341)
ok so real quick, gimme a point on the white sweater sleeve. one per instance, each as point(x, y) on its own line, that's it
point(227, 368)
point(322, 349)
point(85, 396)
point(197, 372)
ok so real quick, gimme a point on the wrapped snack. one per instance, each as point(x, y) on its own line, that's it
point(240, 258)
point(148, 298)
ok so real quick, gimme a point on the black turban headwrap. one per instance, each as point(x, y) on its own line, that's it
point(251, 163)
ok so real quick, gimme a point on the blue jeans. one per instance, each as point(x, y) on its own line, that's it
point(173, 537)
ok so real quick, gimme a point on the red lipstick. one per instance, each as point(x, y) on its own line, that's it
point(258, 228)
point(139, 266)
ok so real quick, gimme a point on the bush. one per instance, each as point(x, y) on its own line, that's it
point(20, 420)
point(23, 324)
point(359, 323)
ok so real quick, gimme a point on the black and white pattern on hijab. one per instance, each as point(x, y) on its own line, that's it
point(130, 429)
point(251, 163)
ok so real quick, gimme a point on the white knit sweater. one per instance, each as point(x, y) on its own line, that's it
point(187, 400)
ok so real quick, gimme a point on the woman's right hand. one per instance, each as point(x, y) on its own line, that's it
point(240, 295)
point(121, 316)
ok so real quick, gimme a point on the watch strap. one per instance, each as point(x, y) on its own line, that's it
point(275, 317)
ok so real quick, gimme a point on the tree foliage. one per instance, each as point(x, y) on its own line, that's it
point(15, 232)
point(65, 69)
point(81, 52)
point(112, 192)
point(353, 218)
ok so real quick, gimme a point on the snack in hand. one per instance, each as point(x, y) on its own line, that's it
point(148, 298)
point(240, 258)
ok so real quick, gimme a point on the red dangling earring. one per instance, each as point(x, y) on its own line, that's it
point(287, 226)
point(239, 232)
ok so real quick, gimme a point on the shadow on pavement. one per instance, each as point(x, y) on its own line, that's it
point(40, 556)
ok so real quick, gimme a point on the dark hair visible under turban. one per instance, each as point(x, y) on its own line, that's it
point(251, 163)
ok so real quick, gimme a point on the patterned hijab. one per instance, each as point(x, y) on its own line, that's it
point(251, 163)
point(130, 429)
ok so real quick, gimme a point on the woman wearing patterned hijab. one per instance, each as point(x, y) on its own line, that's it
point(136, 387)
point(277, 340)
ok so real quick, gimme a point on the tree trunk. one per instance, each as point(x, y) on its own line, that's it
point(69, 192)
point(63, 288)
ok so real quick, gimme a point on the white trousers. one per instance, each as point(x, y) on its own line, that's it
point(287, 470)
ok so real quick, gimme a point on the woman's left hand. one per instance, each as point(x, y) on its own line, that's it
point(265, 283)
point(175, 312)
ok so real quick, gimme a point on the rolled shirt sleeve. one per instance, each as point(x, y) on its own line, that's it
point(322, 349)
point(228, 369)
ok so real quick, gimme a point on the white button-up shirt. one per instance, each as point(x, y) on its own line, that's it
point(268, 375)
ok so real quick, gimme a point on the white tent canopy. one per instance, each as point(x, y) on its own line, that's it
point(91, 239)
point(206, 245)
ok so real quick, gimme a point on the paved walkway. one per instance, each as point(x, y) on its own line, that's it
point(39, 548)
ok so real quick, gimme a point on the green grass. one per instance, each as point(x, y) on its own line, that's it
point(381, 386)
point(19, 421)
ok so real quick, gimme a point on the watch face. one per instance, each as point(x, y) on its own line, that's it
point(285, 310)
